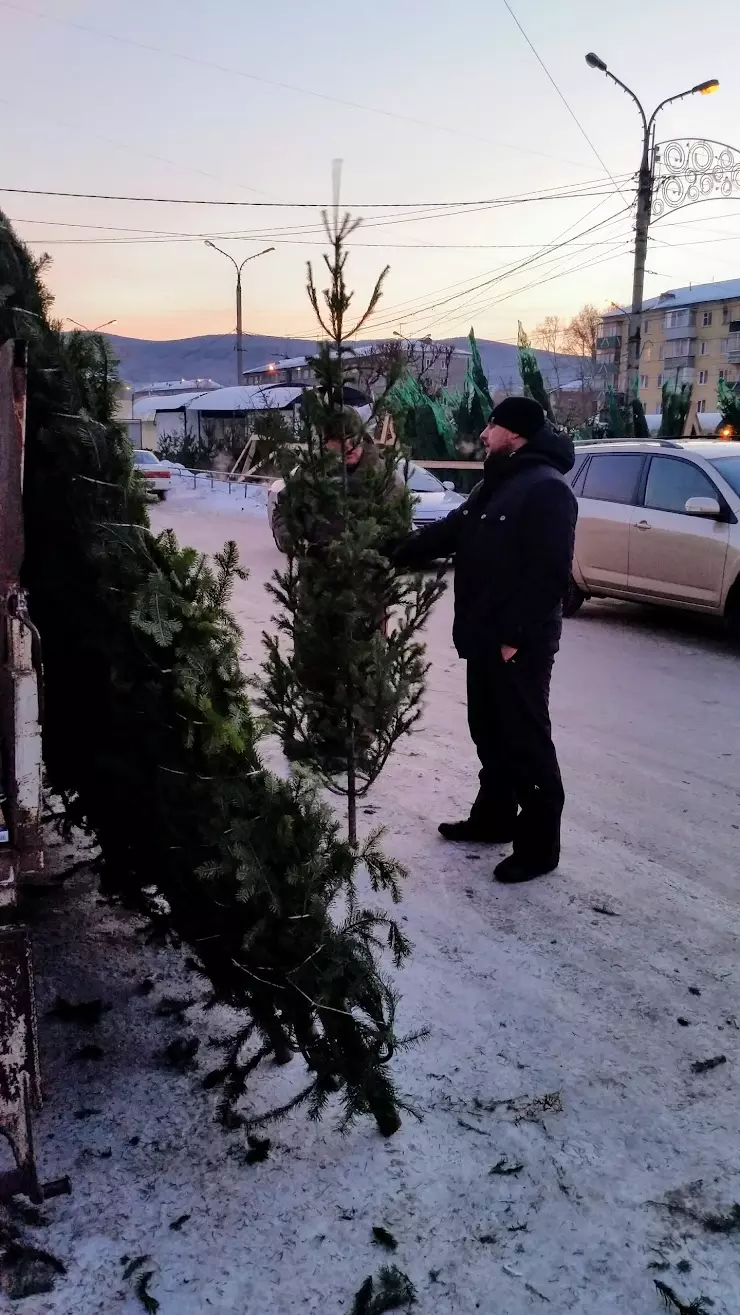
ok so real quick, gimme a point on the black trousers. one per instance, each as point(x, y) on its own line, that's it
point(521, 790)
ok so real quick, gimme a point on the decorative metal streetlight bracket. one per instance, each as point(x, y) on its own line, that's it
point(688, 170)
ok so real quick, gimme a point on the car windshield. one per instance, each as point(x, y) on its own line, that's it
point(419, 480)
point(729, 469)
point(145, 459)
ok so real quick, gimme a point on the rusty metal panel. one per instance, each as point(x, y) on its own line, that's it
point(20, 731)
point(20, 765)
point(12, 432)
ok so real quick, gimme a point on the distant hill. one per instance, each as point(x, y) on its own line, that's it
point(145, 361)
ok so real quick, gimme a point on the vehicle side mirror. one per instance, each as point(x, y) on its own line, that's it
point(448, 484)
point(708, 508)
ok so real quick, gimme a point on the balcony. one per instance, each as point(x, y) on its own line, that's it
point(678, 374)
point(609, 344)
point(676, 323)
point(731, 348)
point(682, 362)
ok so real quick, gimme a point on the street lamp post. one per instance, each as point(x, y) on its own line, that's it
point(238, 268)
point(85, 328)
point(645, 182)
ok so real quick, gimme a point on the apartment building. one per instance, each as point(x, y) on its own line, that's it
point(365, 363)
point(687, 336)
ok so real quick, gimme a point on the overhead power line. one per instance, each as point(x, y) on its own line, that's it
point(571, 112)
point(564, 192)
point(135, 44)
point(274, 236)
point(503, 272)
point(452, 317)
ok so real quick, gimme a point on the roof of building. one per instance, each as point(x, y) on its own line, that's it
point(584, 385)
point(706, 422)
point(244, 398)
point(694, 294)
point(283, 363)
point(175, 386)
point(357, 349)
point(143, 406)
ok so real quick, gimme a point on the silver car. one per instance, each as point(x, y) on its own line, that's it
point(658, 522)
point(432, 499)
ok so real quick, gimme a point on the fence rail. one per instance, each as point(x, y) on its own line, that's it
point(223, 477)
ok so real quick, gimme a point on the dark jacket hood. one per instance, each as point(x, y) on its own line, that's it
point(548, 447)
point(553, 446)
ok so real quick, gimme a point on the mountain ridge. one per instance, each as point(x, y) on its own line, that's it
point(212, 356)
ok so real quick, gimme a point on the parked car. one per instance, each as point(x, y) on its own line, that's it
point(658, 522)
point(156, 473)
point(432, 499)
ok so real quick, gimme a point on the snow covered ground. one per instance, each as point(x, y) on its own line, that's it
point(564, 1019)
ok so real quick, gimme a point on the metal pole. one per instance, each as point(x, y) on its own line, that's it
point(238, 269)
point(642, 225)
point(239, 373)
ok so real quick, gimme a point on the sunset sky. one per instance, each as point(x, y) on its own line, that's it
point(423, 100)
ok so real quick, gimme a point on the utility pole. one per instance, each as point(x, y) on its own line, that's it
point(238, 267)
point(645, 182)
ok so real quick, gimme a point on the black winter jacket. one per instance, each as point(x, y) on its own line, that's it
point(513, 547)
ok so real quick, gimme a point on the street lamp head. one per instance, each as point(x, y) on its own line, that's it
point(210, 244)
point(706, 88)
point(593, 61)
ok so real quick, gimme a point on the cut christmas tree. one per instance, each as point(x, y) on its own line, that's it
point(349, 681)
point(149, 740)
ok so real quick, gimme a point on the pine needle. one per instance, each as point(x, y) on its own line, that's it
point(394, 1291)
point(383, 1238)
point(259, 1149)
point(674, 1302)
point(150, 1303)
point(133, 1265)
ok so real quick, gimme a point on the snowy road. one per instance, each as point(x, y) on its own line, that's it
point(598, 987)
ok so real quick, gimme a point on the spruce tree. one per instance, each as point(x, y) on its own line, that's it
point(531, 375)
point(676, 404)
point(349, 682)
point(728, 402)
point(149, 739)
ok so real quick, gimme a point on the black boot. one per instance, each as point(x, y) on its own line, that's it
point(474, 832)
point(512, 870)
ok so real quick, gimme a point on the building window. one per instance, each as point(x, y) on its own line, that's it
point(707, 318)
point(679, 347)
point(725, 314)
point(660, 381)
point(701, 404)
point(677, 319)
point(703, 376)
point(646, 326)
point(722, 374)
point(644, 381)
point(647, 352)
point(704, 349)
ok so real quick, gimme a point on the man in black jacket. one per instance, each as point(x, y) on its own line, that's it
point(513, 546)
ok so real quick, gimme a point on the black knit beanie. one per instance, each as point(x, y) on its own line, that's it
point(522, 415)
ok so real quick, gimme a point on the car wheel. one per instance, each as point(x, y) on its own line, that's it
point(732, 611)
point(574, 598)
point(278, 542)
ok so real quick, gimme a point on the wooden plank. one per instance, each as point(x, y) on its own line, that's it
point(448, 465)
